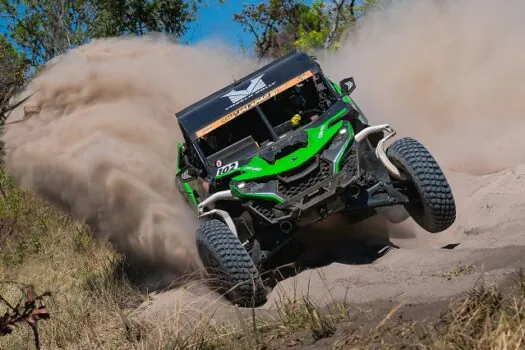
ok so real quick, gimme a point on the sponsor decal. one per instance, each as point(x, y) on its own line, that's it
point(321, 132)
point(266, 96)
point(227, 168)
point(256, 84)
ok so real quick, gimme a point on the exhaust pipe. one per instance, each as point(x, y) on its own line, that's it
point(354, 191)
point(286, 226)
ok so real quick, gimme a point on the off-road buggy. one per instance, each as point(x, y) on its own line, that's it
point(285, 147)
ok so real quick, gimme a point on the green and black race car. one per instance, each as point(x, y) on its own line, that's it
point(285, 147)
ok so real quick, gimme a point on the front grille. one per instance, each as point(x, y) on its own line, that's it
point(265, 210)
point(350, 165)
point(289, 190)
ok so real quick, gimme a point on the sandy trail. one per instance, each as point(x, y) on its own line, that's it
point(450, 74)
point(102, 136)
point(491, 245)
point(490, 239)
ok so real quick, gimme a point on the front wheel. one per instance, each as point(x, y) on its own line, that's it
point(434, 208)
point(229, 264)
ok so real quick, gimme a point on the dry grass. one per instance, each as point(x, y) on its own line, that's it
point(300, 312)
point(90, 308)
point(43, 247)
point(294, 319)
point(458, 270)
point(488, 317)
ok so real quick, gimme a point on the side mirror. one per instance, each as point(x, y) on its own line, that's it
point(347, 85)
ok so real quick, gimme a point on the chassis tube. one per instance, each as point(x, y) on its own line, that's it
point(380, 148)
point(267, 123)
point(222, 195)
point(227, 219)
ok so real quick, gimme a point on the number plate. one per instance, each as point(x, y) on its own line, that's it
point(227, 168)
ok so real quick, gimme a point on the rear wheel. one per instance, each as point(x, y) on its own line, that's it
point(229, 265)
point(434, 208)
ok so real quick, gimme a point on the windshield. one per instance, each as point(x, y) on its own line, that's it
point(293, 108)
point(298, 106)
point(247, 124)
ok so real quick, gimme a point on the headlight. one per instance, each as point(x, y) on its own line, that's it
point(339, 138)
point(241, 185)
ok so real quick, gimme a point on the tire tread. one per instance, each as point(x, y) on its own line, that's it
point(439, 208)
point(236, 265)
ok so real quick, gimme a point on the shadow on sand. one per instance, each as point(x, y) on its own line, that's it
point(335, 241)
point(330, 241)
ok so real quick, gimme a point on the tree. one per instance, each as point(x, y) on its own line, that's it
point(280, 26)
point(118, 17)
point(12, 68)
point(263, 21)
point(43, 29)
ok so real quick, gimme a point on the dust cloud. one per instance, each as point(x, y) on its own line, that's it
point(449, 73)
point(101, 139)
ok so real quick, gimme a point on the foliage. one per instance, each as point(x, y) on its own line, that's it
point(281, 26)
point(36, 31)
point(118, 17)
point(263, 21)
point(12, 67)
point(43, 29)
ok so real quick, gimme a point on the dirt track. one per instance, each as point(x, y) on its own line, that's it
point(491, 239)
point(491, 244)
point(450, 75)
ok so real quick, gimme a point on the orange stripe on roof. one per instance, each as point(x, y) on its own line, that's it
point(232, 115)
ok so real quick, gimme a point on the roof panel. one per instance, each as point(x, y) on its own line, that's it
point(196, 117)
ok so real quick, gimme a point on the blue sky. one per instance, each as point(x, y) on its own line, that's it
point(215, 21)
